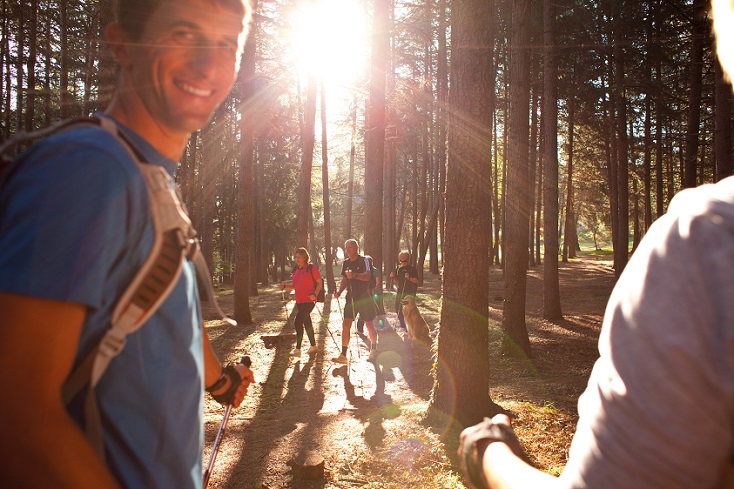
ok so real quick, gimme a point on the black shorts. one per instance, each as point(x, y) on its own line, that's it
point(365, 307)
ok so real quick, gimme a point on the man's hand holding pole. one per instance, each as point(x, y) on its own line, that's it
point(232, 397)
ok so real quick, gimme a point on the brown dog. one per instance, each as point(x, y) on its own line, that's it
point(417, 326)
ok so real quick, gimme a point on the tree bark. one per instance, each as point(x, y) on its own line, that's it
point(307, 144)
point(551, 289)
point(375, 133)
point(698, 42)
point(621, 248)
point(518, 185)
point(722, 140)
point(325, 183)
point(31, 66)
point(245, 216)
point(461, 377)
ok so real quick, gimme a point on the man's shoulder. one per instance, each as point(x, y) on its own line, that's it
point(78, 145)
point(705, 200)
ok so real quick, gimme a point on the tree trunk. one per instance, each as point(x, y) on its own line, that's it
point(65, 99)
point(551, 290)
point(621, 248)
point(307, 143)
point(722, 140)
point(31, 66)
point(375, 133)
point(350, 187)
point(441, 116)
point(518, 186)
point(461, 378)
point(698, 42)
point(570, 238)
point(245, 215)
point(533, 167)
point(19, 67)
point(325, 182)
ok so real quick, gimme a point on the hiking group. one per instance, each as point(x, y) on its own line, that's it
point(83, 239)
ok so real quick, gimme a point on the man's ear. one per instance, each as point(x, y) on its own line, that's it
point(119, 43)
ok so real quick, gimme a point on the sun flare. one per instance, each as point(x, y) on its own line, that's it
point(330, 37)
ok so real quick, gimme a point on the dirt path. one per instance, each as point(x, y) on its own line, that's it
point(365, 419)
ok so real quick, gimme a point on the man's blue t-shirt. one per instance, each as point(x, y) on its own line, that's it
point(75, 226)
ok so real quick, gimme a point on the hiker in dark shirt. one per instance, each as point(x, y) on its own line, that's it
point(406, 281)
point(356, 273)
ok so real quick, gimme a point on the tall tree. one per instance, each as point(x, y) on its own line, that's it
point(621, 246)
point(31, 65)
point(307, 144)
point(551, 289)
point(723, 137)
point(325, 183)
point(375, 132)
point(461, 376)
point(244, 202)
point(518, 185)
point(570, 238)
point(698, 43)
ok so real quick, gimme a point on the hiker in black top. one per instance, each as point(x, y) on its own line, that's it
point(406, 280)
point(356, 274)
point(374, 288)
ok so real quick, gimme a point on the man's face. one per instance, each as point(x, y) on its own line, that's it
point(352, 250)
point(185, 62)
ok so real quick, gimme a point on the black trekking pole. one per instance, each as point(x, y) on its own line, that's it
point(222, 427)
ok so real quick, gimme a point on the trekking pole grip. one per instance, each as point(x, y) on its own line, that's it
point(247, 362)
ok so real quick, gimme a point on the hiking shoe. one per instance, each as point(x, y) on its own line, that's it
point(295, 353)
point(373, 356)
point(340, 359)
point(313, 349)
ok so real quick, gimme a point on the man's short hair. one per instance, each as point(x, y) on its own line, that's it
point(133, 14)
point(351, 240)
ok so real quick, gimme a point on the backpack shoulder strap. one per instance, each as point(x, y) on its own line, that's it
point(174, 241)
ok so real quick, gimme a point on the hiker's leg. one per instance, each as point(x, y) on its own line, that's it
point(349, 313)
point(367, 311)
point(307, 323)
point(300, 321)
point(399, 310)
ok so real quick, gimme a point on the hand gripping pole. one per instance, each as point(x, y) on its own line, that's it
point(222, 427)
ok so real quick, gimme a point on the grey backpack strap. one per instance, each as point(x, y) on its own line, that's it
point(174, 241)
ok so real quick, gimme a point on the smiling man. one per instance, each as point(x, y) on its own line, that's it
point(75, 227)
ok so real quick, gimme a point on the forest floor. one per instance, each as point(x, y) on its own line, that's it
point(367, 420)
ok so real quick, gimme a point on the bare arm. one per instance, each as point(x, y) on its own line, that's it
point(41, 444)
point(505, 470)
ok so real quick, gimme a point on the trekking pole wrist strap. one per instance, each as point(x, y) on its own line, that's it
point(226, 397)
point(219, 383)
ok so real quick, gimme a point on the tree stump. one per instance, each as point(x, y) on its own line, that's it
point(308, 465)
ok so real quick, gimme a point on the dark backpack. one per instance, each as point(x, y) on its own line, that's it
point(374, 274)
point(321, 296)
